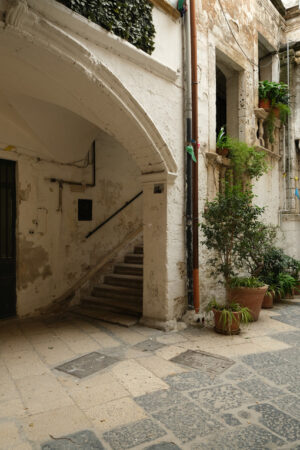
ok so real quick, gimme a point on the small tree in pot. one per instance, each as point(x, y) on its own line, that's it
point(233, 231)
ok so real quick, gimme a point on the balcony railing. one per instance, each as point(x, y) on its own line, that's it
point(262, 137)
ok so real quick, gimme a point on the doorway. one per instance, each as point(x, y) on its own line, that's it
point(7, 238)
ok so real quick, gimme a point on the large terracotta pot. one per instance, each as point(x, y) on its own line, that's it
point(268, 300)
point(264, 103)
point(252, 298)
point(297, 288)
point(225, 328)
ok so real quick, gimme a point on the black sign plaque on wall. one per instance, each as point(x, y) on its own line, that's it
point(85, 209)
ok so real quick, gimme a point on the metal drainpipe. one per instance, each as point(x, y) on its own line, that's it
point(194, 69)
point(188, 158)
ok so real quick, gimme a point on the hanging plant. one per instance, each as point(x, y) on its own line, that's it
point(130, 19)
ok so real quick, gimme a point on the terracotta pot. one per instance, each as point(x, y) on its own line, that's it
point(268, 300)
point(222, 328)
point(264, 103)
point(289, 295)
point(277, 297)
point(222, 151)
point(252, 298)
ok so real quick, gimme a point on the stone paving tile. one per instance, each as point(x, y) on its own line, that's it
point(150, 345)
point(189, 381)
point(291, 338)
point(281, 374)
point(160, 400)
point(171, 338)
point(136, 379)
point(87, 365)
point(277, 421)
point(163, 446)
point(238, 372)
point(252, 437)
point(294, 386)
point(206, 362)
point(263, 360)
point(289, 404)
point(187, 421)
point(82, 440)
point(221, 398)
point(160, 367)
point(259, 389)
point(134, 434)
point(290, 354)
point(230, 420)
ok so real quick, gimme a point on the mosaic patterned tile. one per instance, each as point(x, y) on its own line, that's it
point(82, 440)
point(282, 424)
point(281, 374)
point(188, 381)
point(221, 398)
point(230, 420)
point(206, 362)
point(134, 434)
point(263, 360)
point(253, 437)
point(163, 446)
point(260, 390)
point(188, 421)
point(289, 404)
point(160, 400)
point(86, 365)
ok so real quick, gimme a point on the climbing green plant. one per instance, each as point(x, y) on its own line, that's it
point(129, 19)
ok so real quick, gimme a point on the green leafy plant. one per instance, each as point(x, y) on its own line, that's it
point(221, 138)
point(227, 317)
point(246, 160)
point(286, 283)
point(248, 282)
point(131, 20)
point(233, 232)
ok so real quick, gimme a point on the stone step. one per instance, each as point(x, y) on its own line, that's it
point(117, 292)
point(134, 281)
point(134, 258)
point(139, 249)
point(112, 304)
point(129, 269)
point(124, 320)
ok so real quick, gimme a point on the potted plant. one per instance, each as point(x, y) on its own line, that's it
point(222, 148)
point(269, 297)
point(246, 161)
point(228, 317)
point(248, 292)
point(287, 284)
point(237, 238)
point(274, 97)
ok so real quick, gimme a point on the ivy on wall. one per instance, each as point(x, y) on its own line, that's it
point(129, 19)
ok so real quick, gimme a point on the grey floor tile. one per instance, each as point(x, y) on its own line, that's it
point(230, 420)
point(281, 374)
point(163, 446)
point(277, 421)
point(238, 372)
point(260, 390)
point(160, 400)
point(189, 380)
point(252, 437)
point(221, 398)
point(289, 404)
point(291, 338)
point(263, 360)
point(134, 434)
point(187, 421)
point(87, 365)
point(82, 440)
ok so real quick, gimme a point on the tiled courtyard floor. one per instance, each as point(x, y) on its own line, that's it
point(127, 393)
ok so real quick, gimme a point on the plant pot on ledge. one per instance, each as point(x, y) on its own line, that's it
point(264, 103)
point(222, 151)
point(250, 297)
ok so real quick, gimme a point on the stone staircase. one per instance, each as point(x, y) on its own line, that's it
point(119, 299)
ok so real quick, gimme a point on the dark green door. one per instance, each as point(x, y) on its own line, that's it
point(7, 238)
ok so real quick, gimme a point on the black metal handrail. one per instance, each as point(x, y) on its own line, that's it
point(113, 215)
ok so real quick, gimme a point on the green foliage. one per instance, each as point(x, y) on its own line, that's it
point(221, 138)
point(276, 262)
point(227, 317)
point(286, 283)
point(246, 160)
point(233, 231)
point(275, 92)
point(130, 19)
point(248, 282)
